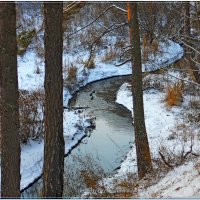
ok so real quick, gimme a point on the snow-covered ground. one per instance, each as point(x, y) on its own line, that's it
point(161, 123)
point(32, 154)
point(182, 182)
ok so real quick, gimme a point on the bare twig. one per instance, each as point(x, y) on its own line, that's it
point(197, 63)
point(123, 63)
point(123, 10)
point(71, 5)
point(183, 79)
point(90, 22)
point(191, 150)
point(111, 28)
point(164, 160)
point(189, 46)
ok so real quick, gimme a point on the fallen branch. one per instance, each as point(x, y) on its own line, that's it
point(76, 108)
point(123, 63)
point(164, 160)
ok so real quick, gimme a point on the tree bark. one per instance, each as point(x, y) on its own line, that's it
point(194, 69)
point(54, 140)
point(10, 144)
point(141, 140)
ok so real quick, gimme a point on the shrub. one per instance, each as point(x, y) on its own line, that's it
point(83, 174)
point(145, 54)
point(154, 47)
point(71, 73)
point(31, 109)
point(24, 39)
point(120, 44)
point(174, 94)
point(181, 64)
point(90, 64)
point(109, 56)
point(148, 47)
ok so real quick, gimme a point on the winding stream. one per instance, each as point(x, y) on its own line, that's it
point(112, 137)
point(111, 140)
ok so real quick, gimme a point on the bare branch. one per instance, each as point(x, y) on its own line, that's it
point(126, 61)
point(123, 53)
point(71, 5)
point(164, 160)
point(18, 26)
point(197, 63)
point(191, 38)
point(90, 22)
point(115, 26)
point(189, 46)
point(123, 10)
point(184, 80)
point(105, 27)
point(193, 70)
point(127, 47)
point(191, 150)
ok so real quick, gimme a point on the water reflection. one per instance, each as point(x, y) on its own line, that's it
point(113, 130)
point(112, 138)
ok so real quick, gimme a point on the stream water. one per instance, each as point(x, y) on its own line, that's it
point(111, 140)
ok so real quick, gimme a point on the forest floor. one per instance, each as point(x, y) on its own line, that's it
point(29, 79)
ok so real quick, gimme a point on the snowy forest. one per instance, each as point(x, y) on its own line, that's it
point(100, 99)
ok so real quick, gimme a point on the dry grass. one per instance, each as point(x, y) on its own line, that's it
point(180, 64)
point(154, 47)
point(144, 41)
point(193, 116)
point(185, 65)
point(91, 63)
point(120, 44)
point(31, 108)
point(197, 166)
point(149, 48)
point(145, 47)
point(145, 54)
point(71, 73)
point(90, 179)
point(86, 174)
point(109, 56)
point(174, 94)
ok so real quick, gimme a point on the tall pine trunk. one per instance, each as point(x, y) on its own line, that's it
point(141, 140)
point(10, 144)
point(54, 141)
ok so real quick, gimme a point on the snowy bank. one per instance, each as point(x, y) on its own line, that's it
point(162, 123)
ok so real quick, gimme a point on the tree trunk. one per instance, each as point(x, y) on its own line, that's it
point(194, 69)
point(10, 144)
point(54, 140)
point(141, 140)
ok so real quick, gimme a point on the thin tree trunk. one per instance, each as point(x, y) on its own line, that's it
point(194, 69)
point(141, 140)
point(10, 144)
point(54, 140)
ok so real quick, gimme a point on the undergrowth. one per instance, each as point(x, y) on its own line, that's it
point(31, 110)
point(71, 73)
point(90, 64)
point(174, 94)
